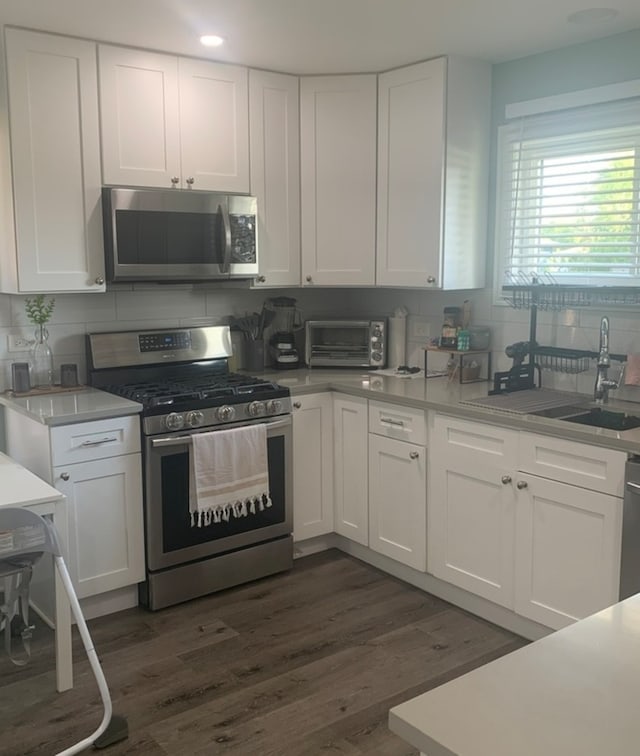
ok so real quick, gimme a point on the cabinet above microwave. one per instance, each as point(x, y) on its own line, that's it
point(157, 235)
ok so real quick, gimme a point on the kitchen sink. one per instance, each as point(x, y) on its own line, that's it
point(601, 418)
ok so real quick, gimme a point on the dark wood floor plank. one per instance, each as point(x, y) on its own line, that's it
point(304, 663)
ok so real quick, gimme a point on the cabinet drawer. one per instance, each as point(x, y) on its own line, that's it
point(592, 467)
point(401, 423)
point(95, 440)
point(480, 441)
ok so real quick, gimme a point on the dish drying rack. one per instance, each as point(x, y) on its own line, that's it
point(545, 294)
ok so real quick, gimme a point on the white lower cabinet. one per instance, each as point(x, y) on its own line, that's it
point(546, 549)
point(97, 466)
point(350, 424)
point(568, 551)
point(397, 500)
point(105, 529)
point(312, 466)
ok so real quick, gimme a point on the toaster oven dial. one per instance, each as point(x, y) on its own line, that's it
point(377, 332)
point(376, 356)
point(274, 406)
point(195, 419)
point(225, 413)
point(255, 409)
point(174, 421)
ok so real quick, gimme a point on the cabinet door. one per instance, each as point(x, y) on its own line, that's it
point(139, 117)
point(350, 468)
point(471, 517)
point(105, 532)
point(274, 113)
point(312, 466)
point(53, 89)
point(567, 551)
point(338, 179)
point(471, 527)
point(411, 120)
point(214, 126)
point(398, 500)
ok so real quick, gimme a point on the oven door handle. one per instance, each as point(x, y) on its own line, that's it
point(178, 440)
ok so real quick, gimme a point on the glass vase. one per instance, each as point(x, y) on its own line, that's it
point(42, 359)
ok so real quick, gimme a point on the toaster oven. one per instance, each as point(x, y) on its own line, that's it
point(346, 343)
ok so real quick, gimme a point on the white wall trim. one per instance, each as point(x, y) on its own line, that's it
point(593, 96)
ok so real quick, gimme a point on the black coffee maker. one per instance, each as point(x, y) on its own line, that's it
point(287, 320)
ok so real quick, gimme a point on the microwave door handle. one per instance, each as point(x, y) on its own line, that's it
point(226, 264)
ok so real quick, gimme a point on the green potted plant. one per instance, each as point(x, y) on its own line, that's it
point(39, 312)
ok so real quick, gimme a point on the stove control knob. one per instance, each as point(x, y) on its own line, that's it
point(225, 413)
point(274, 406)
point(255, 409)
point(174, 421)
point(195, 418)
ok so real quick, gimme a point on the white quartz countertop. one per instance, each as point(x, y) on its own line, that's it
point(444, 396)
point(71, 406)
point(573, 693)
point(21, 488)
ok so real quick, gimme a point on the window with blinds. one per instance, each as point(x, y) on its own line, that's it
point(568, 201)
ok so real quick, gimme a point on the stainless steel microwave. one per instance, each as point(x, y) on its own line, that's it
point(346, 343)
point(167, 235)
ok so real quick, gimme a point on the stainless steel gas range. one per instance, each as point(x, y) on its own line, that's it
point(182, 379)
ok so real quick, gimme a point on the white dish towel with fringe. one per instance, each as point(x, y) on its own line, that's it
point(229, 475)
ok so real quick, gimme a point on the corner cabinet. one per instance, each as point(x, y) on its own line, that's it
point(170, 121)
point(97, 466)
point(338, 179)
point(433, 151)
point(312, 466)
point(274, 114)
point(53, 166)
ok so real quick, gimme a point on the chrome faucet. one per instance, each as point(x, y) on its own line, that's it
point(603, 383)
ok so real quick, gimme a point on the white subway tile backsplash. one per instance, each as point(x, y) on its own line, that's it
point(150, 305)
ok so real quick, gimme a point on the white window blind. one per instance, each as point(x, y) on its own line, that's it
point(568, 200)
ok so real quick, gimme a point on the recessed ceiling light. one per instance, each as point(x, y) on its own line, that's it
point(211, 40)
point(592, 16)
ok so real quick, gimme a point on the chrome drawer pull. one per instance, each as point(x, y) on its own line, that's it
point(633, 486)
point(390, 421)
point(105, 440)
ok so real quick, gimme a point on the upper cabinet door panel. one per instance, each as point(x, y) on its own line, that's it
point(274, 112)
point(214, 125)
point(338, 179)
point(53, 114)
point(139, 117)
point(410, 174)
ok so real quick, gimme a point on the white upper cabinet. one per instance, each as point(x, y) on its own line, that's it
point(338, 179)
point(433, 149)
point(274, 113)
point(52, 93)
point(170, 121)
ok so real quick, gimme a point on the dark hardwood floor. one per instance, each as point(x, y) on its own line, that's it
point(304, 663)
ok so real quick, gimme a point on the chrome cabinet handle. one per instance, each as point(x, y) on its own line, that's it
point(190, 180)
point(391, 421)
point(506, 479)
point(64, 476)
point(297, 405)
point(522, 484)
point(431, 279)
point(175, 180)
point(261, 279)
point(308, 279)
point(100, 280)
point(633, 486)
point(105, 440)
point(413, 455)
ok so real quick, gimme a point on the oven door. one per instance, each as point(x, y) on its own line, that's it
point(170, 539)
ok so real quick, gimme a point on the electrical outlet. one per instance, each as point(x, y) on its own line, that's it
point(17, 343)
point(419, 329)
